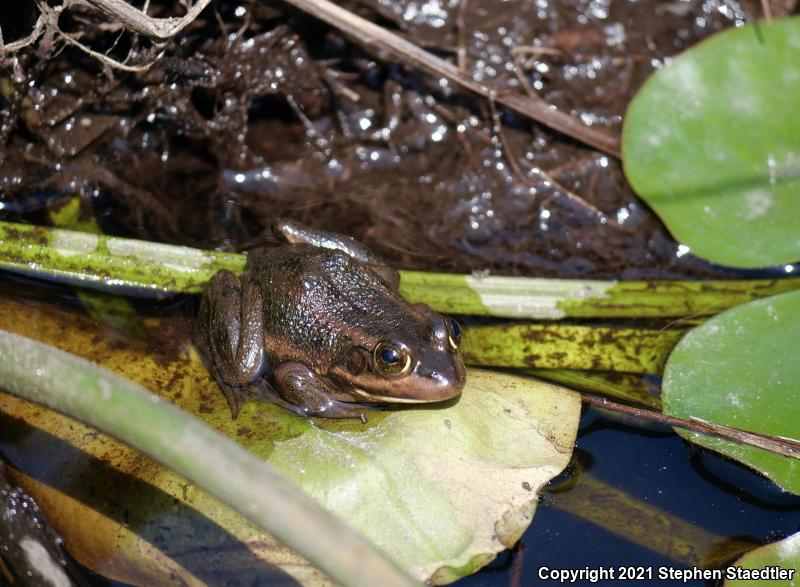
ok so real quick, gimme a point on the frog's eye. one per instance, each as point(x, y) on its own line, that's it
point(391, 358)
point(455, 333)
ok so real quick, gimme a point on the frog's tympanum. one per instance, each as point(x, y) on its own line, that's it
point(317, 326)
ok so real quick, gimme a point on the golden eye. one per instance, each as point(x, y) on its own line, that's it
point(391, 359)
point(455, 333)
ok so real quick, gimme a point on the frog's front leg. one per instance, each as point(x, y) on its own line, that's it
point(294, 232)
point(310, 394)
point(230, 316)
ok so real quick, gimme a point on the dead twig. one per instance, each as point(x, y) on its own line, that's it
point(765, 7)
point(787, 447)
point(156, 29)
point(47, 25)
point(105, 59)
point(38, 29)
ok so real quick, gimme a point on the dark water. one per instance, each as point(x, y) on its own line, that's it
point(659, 470)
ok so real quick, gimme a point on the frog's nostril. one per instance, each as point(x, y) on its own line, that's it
point(439, 379)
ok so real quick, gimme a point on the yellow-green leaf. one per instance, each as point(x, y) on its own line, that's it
point(440, 490)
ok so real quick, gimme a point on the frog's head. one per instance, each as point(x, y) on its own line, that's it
point(407, 365)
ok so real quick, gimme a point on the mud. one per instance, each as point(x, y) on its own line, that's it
point(257, 111)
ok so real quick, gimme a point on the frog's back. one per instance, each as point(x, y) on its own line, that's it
point(317, 302)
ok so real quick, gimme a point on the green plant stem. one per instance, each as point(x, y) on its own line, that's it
point(144, 268)
point(569, 346)
point(109, 263)
point(77, 388)
point(540, 298)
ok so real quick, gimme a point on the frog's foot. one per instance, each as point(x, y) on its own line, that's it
point(294, 232)
point(236, 396)
point(308, 394)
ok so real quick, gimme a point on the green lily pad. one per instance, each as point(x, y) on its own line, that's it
point(742, 369)
point(779, 557)
point(441, 490)
point(712, 143)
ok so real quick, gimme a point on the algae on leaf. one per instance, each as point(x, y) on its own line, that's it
point(712, 143)
point(440, 490)
point(741, 369)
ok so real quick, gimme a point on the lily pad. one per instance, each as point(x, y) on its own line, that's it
point(710, 143)
point(741, 369)
point(782, 555)
point(440, 490)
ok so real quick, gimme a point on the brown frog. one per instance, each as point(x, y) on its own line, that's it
point(317, 325)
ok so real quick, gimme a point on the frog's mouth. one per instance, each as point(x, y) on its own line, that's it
point(389, 399)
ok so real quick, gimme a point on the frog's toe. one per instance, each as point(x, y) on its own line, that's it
point(337, 409)
point(235, 397)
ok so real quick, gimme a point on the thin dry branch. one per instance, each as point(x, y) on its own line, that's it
point(48, 17)
point(157, 29)
point(121, 13)
point(38, 28)
point(105, 59)
point(787, 447)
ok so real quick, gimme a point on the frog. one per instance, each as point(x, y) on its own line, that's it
point(316, 324)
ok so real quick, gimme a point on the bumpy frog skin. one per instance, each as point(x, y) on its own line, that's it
point(317, 326)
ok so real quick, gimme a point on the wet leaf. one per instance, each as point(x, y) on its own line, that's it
point(440, 490)
point(709, 144)
point(741, 369)
point(782, 555)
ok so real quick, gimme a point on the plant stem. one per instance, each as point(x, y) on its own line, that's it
point(787, 447)
point(77, 388)
point(136, 267)
point(537, 298)
point(569, 346)
point(120, 265)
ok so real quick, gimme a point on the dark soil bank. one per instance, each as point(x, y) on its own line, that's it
point(257, 111)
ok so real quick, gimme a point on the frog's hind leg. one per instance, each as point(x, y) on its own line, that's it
point(294, 233)
point(309, 394)
point(230, 335)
